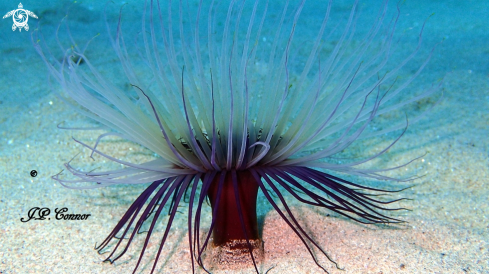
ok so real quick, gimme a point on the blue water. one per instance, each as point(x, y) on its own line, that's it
point(448, 230)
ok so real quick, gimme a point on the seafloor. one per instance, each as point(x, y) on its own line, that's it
point(447, 229)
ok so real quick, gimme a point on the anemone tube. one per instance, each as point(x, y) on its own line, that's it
point(223, 129)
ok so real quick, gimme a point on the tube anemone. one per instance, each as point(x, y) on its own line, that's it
point(227, 120)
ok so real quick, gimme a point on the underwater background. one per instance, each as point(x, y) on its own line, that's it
point(447, 230)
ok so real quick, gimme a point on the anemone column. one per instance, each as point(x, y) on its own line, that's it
point(228, 229)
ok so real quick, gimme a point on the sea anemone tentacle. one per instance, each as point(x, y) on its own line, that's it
point(241, 115)
point(292, 222)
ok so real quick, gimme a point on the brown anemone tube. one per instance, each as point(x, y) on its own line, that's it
point(228, 230)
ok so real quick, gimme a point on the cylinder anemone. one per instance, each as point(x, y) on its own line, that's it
point(229, 115)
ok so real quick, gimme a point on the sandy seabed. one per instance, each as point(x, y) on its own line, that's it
point(447, 230)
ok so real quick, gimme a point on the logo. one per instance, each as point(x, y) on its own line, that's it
point(20, 17)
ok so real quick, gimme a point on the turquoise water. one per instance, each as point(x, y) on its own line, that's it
point(448, 227)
